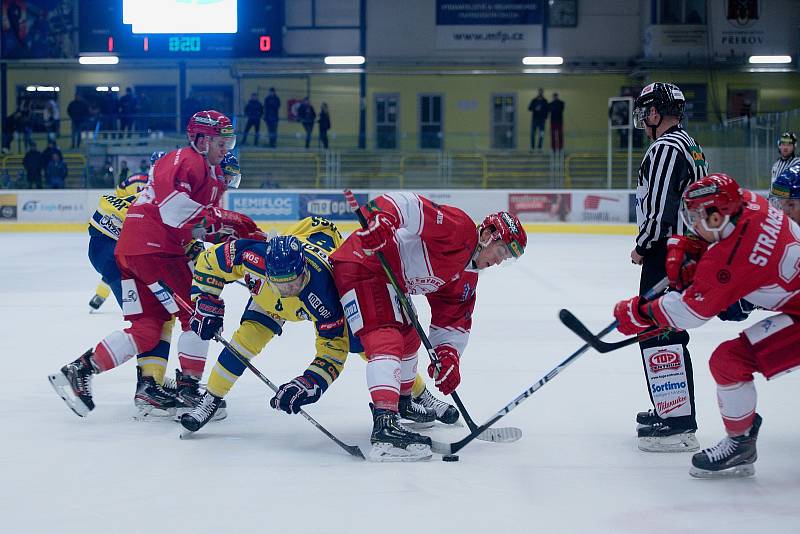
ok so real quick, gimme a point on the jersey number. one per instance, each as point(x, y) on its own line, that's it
point(322, 240)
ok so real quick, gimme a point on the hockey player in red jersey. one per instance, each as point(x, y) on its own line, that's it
point(753, 252)
point(436, 251)
point(181, 203)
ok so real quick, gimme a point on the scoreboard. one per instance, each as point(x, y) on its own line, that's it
point(182, 28)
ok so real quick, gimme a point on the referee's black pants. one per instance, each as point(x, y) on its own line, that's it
point(653, 271)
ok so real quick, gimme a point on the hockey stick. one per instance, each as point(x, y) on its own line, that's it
point(452, 448)
point(353, 450)
point(577, 327)
point(574, 324)
point(500, 435)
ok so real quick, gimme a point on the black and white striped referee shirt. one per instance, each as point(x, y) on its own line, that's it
point(671, 163)
point(782, 164)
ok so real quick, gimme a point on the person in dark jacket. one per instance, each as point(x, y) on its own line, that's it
point(307, 116)
point(272, 105)
point(33, 167)
point(556, 109)
point(56, 172)
point(78, 112)
point(538, 108)
point(324, 124)
point(254, 110)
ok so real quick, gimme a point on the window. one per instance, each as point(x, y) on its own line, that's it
point(218, 97)
point(504, 111)
point(36, 104)
point(430, 121)
point(158, 106)
point(387, 113)
point(674, 12)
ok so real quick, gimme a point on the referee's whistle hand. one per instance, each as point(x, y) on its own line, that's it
point(636, 257)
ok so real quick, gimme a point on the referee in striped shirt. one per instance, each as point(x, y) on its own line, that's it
point(672, 162)
point(787, 145)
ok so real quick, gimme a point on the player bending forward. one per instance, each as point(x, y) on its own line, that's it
point(753, 253)
point(290, 279)
point(182, 203)
point(435, 251)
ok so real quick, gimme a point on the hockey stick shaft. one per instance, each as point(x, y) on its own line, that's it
point(406, 305)
point(458, 445)
point(351, 449)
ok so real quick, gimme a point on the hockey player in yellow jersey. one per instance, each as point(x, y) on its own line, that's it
point(290, 279)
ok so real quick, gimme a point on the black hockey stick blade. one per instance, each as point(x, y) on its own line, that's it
point(574, 324)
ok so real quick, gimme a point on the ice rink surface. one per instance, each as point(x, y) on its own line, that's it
point(576, 469)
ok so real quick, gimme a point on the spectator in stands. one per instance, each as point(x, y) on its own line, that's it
point(124, 171)
point(538, 108)
point(307, 116)
point(25, 124)
point(324, 124)
point(144, 167)
point(556, 109)
point(47, 153)
point(109, 111)
point(128, 108)
point(52, 119)
point(272, 105)
point(56, 172)
point(32, 162)
point(254, 110)
point(78, 112)
point(9, 127)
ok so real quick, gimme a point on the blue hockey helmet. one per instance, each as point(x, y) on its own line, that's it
point(155, 156)
point(786, 186)
point(231, 170)
point(284, 258)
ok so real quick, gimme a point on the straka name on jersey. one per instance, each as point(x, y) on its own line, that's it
point(665, 360)
point(766, 240)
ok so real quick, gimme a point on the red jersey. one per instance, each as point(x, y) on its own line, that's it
point(162, 218)
point(759, 261)
point(431, 254)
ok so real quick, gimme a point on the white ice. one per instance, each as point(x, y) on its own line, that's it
point(576, 469)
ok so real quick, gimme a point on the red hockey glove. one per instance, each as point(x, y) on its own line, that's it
point(222, 221)
point(208, 315)
point(630, 318)
point(380, 230)
point(449, 377)
point(683, 253)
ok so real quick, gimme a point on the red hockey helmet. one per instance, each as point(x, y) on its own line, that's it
point(211, 124)
point(715, 193)
point(507, 228)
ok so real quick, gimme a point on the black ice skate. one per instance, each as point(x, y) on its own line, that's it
point(648, 418)
point(417, 415)
point(189, 397)
point(446, 413)
point(392, 442)
point(95, 302)
point(74, 384)
point(201, 414)
point(152, 400)
point(661, 437)
point(731, 457)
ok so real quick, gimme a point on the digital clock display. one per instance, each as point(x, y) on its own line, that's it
point(259, 25)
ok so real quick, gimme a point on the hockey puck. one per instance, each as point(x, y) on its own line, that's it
point(450, 458)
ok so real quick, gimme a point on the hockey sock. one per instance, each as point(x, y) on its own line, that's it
point(383, 381)
point(192, 353)
point(419, 386)
point(102, 290)
point(114, 350)
point(249, 340)
point(154, 363)
point(737, 405)
point(408, 373)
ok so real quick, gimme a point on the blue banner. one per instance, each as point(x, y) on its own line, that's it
point(488, 13)
point(329, 205)
point(265, 206)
